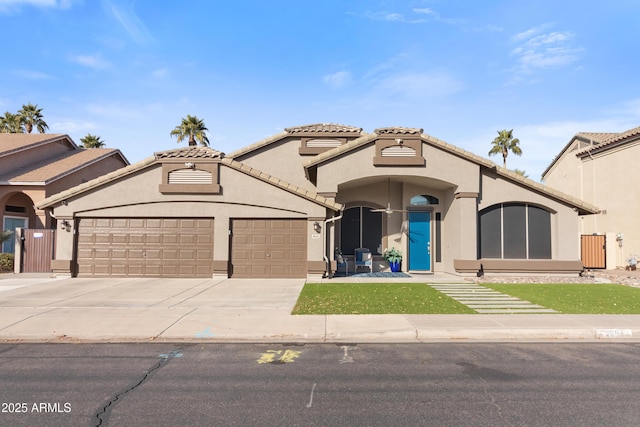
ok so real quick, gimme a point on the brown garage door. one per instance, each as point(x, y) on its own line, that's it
point(145, 247)
point(264, 248)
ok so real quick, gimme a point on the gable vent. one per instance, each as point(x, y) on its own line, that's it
point(190, 176)
point(398, 151)
point(323, 143)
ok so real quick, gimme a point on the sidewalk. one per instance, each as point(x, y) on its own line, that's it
point(38, 308)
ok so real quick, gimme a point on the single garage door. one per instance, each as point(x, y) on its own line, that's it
point(265, 248)
point(145, 247)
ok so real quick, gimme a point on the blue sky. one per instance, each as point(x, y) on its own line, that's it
point(128, 71)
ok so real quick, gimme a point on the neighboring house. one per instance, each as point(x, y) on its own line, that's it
point(280, 207)
point(602, 169)
point(35, 166)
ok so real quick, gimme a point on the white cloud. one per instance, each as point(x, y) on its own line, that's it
point(416, 84)
point(338, 79)
point(542, 142)
point(14, 6)
point(128, 19)
point(91, 61)
point(32, 75)
point(538, 50)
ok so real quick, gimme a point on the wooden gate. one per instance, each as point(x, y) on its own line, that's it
point(593, 251)
point(37, 250)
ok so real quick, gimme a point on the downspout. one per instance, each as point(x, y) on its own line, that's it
point(324, 242)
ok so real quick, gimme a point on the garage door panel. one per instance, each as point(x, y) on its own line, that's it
point(262, 248)
point(171, 247)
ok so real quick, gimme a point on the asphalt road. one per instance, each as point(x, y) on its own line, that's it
point(324, 385)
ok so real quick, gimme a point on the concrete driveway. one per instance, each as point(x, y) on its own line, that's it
point(42, 309)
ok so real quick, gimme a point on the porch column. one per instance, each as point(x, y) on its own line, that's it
point(468, 209)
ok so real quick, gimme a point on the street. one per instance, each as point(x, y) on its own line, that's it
point(162, 384)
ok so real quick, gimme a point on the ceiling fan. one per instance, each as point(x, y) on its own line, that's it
point(388, 209)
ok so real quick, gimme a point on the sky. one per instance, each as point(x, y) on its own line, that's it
point(129, 71)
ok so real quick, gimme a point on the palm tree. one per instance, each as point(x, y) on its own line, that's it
point(504, 143)
point(31, 116)
point(192, 128)
point(11, 123)
point(521, 172)
point(91, 141)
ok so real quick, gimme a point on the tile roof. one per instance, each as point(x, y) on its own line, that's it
point(588, 142)
point(191, 152)
point(607, 139)
point(117, 174)
point(12, 142)
point(54, 168)
point(397, 130)
point(324, 128)
point(291, 188)
point(582, 206)
point(330, 128)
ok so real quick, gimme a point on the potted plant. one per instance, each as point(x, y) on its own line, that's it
point(394, 257)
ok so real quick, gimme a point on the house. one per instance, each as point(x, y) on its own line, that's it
point(36, 166)
point(280, 207)
point(600, 168)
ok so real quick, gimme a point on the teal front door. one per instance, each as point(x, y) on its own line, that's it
point(420, 241)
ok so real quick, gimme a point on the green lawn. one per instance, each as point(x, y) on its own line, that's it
point(375, 298)
point(577, 298)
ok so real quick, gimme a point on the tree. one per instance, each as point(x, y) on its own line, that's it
point(91, 141)
point(31, 116)
point(11, 123)
point(5, 235)
point(522, 173)
point(192, 128)
point(505, 143)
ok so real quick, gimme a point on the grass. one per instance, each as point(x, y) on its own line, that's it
point(375, 298)
point(577, 298)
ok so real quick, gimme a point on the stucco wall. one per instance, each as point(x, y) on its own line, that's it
point(281, 159)
point(443, 167)
point(565, 241)
point(608, 180)
point(242, 196)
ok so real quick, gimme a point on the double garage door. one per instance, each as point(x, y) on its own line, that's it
point(141, 247)
point(183, 247)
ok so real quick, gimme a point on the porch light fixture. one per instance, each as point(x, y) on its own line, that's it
point(65, 225)
point(317, 227)
point(190, 165)
point(399, 141)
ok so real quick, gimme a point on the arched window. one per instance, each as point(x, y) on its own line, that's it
point(360, 228)
point(424, 200)
point(515, 231)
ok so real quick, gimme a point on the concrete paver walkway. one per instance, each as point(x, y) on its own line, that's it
point(488, 301)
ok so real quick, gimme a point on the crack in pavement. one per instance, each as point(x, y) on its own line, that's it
point(102, 416)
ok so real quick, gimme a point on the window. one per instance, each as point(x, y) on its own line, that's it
point(424, 200)
point(516, 231)
point(360, 228)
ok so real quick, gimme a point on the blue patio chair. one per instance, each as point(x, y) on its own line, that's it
point(363, 259)
point(341, 262)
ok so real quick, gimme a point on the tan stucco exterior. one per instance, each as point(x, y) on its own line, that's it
point(602, 169)
point(277, 178)
point(36, 166)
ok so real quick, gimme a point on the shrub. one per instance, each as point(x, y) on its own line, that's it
point(6, 263)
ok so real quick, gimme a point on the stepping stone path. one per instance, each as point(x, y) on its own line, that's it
point(487, 301)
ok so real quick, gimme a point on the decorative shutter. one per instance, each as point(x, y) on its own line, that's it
point(323, 143)
point(190, 176)
point(398, 151)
